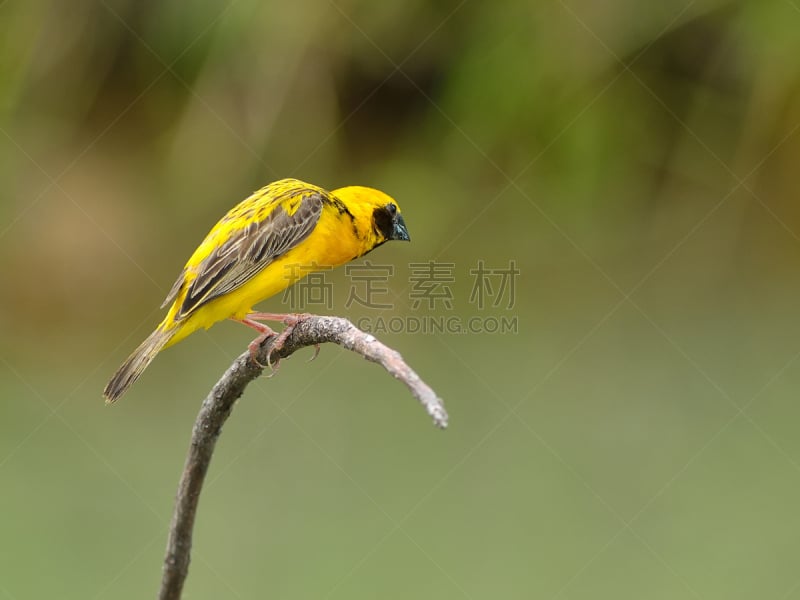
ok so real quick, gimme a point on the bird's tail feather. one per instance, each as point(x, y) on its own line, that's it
point(136, 363)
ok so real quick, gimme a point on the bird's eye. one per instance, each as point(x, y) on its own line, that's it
point(392, 208)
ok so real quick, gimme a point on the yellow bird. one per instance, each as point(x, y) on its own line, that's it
point(266, 243)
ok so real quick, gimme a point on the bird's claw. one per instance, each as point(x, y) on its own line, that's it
point(316, 353)
point(290, 321)
point(254, 347)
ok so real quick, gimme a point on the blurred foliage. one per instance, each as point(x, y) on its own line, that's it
point(635, 439)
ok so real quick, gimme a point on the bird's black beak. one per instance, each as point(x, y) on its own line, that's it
point(399, 231)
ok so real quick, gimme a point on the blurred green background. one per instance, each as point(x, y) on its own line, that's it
point(636, 438)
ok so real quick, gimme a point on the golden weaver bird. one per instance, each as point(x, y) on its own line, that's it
point(266, 243)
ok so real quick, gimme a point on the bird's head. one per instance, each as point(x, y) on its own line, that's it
point(376, 214)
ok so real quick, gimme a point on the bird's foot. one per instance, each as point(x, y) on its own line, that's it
point(291, 320)
point(265, 332)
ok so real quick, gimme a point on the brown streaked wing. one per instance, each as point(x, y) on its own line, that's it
point(250, 249)
point(176, 287)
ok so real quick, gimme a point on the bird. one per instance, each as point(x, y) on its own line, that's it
point(264, 244)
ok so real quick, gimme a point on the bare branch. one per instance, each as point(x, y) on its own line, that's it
point(218, 405)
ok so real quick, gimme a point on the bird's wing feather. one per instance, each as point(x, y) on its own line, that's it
point(246, 251)
point(176, 288)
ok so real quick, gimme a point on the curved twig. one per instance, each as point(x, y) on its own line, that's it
point(218, 405)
